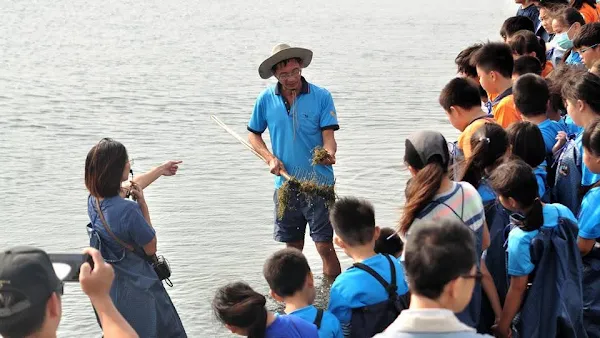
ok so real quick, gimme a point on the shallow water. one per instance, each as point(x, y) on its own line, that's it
point(149, 74)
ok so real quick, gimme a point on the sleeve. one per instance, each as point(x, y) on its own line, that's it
point(336, 327)
point(138, 229)
point(328, 118)
point(338, 306)
point(519, 256)
point(258, 121)
point(589, 221)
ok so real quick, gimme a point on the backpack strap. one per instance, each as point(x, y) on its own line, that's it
point(318, 318)
point(392, 287)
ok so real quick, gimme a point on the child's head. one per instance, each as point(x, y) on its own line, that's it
point(587, 42)
point(527, 43)
point(440, 263)
point(527, 143)
point(591, 146)
point(459, 98)
point(466, 68)
point(526, 65)
point(427, 157)
point(566, 25)
point(531, 94)
point(489, 146)
point(556, 80)
point(515, 24)
point(241, 309)
point(389, 242)
point(581, 93)
point(516, 187)
point(494, 63)
point(288, 274)
point(354, 223)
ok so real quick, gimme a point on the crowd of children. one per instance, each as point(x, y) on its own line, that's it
point(500, 230)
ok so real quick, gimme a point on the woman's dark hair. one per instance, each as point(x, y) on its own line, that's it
point(389, 242)
point(420, 191)
point(236, 304)
point(104, 167)
point(489, 145)
point(527, 143)
point(584, 87)
point(524, 42)
point(515, 179)
point(577, 4)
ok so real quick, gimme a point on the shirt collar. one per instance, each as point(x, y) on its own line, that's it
point(428, 321)
point(304, 90)
point(504, 94)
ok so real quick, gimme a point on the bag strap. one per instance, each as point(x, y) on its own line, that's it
point(391, 288)
point(318, 318)
point(107, 227)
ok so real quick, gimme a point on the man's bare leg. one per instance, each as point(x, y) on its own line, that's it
point(331, 263)
point(297, 244)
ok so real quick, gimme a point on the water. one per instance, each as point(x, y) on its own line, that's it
point(149, 74)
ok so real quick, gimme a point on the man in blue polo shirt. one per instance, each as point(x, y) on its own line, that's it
point(300, 116)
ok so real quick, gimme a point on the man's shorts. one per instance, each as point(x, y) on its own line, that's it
point(300, 211)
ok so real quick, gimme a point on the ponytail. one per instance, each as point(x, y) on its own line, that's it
point(489, 144)
point(515, 179)
point(420, 191)
point(236, 304)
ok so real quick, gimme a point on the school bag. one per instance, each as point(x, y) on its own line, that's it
point(591, 291)
point(318, 319)
point(370, 320)
point(568, 177)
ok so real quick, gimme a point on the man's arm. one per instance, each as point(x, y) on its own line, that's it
point(330, 145)
point(257, 142)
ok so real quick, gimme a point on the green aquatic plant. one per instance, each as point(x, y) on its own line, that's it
point(319, 154)
point(309, 188)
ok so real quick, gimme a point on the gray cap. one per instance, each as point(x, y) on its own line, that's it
point(424, 147)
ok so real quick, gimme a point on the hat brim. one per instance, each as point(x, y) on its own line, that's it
point(264, 70)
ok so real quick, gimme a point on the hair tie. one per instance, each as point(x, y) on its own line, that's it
point(486, 139)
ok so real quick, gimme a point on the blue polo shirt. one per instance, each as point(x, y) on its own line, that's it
point(296, 129)
point(587, 177)
point(291, 327)
point(549, 131)
point(330, 325)
point(589, 215)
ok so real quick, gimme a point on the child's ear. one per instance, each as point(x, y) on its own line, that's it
point(580, 105)
point(275, 296)
point(231, 328)
point(376, 233)
point(452, 110)
point(339, 242)
point(310, 281)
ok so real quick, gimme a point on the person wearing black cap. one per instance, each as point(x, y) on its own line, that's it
point(31, 288)
point(431, 195)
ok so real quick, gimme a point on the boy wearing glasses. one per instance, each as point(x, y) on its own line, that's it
point(440, 262)
point(587, 42)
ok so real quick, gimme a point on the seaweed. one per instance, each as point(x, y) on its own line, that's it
point(308, 188)
point(319, 154)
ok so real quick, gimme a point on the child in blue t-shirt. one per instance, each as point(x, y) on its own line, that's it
point(243, 312)
point(354, 223)
point(291, 281)
point(516, 187)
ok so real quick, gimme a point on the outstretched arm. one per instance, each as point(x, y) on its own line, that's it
point(169, 168)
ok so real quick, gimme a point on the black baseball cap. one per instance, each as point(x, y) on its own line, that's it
point(28, 274)
point(425, 147)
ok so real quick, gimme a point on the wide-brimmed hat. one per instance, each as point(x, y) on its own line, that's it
point(283, 52)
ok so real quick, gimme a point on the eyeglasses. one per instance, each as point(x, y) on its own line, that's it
point(477, 276)
point(285, 76)
point(583, 50)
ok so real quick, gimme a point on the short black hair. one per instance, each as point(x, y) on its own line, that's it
point(531, 95)
point(527, 143)
point(353, 220)
point(553, 4)
point(389, 242)
point(463, 60)
point(515, 24)
point(569, 16)
point(284, 63)
point(460, 92)
point(286, 271)
point(24, 323)
point(589, 35)
point(437, 253)
point(495, 56)
point(525, 42)
point(527, 65)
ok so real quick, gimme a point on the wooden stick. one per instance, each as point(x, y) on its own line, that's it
point(245, 143)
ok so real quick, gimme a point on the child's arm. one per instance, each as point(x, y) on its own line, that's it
point(340, 308)
point(490, 290)
point(512, 304)
point(561, 140)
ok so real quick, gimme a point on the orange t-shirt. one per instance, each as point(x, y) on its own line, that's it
point(505, 112)
point(464, 139)
point(589, 13)
point(548, 69)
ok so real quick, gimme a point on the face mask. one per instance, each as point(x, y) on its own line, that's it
point(562, 40)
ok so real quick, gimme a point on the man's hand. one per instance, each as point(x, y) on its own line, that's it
point(96, 283)
point(170, 168)
point(329, 160)
point(275, 166)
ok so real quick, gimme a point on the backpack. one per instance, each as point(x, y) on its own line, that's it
point(370, 320)
point(318, 319)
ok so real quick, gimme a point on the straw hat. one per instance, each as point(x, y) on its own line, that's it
point(283, 52)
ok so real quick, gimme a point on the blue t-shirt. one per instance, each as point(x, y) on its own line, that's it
point(589, 215)
point(291, 327)
point(519, 256)
point(549, 131)
point(540, 176)
point(126, 221)
point(486, 192)
point(574, 59)
point(356, 288)
point(295, 134)
point(330, 325)
point(587, 177)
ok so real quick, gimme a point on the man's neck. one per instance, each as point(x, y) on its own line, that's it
point(361, 253)
point(537, 119)
point(295, 302)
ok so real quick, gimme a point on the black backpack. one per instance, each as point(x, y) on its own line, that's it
point(318, 318)
point(370, 320)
